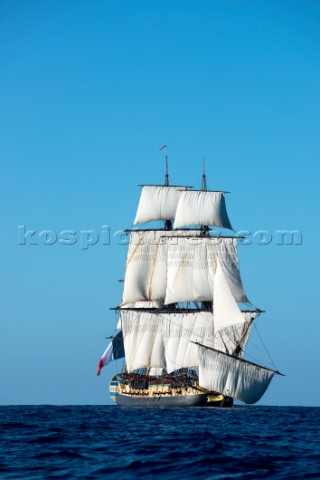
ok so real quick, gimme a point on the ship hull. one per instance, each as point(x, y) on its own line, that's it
point(174, 401)
point(162, 396)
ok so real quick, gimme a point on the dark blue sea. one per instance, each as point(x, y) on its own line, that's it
point(93, 442)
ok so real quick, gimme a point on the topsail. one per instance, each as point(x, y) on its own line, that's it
point(191, 264)
point(191, 267)
point(226, 250)
point(146, 269)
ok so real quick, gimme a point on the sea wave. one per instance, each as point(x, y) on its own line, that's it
point(39, 442)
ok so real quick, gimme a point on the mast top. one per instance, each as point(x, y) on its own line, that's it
point(168, 223)
point(166, 179)
point(204, 228)
point(204, 178)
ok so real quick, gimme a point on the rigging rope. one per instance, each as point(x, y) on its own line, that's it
point(265, 347)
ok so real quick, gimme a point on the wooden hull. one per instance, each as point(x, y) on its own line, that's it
point(169, 401)
point(165, 396)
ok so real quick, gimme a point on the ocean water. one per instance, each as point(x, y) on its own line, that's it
point(93, 442)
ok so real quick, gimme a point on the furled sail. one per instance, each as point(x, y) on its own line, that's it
point(225, 309)
point(154, 371)
point(143, 342)
point(201, 208)
point(145, 304)
point(232, 376)
point(158, 202)
point(179, 330)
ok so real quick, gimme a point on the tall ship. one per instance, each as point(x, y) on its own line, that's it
point(184, 319)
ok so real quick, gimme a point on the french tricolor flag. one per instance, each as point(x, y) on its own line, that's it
point(106, 358)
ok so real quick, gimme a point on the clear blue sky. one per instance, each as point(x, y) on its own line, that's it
point(89, 91)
